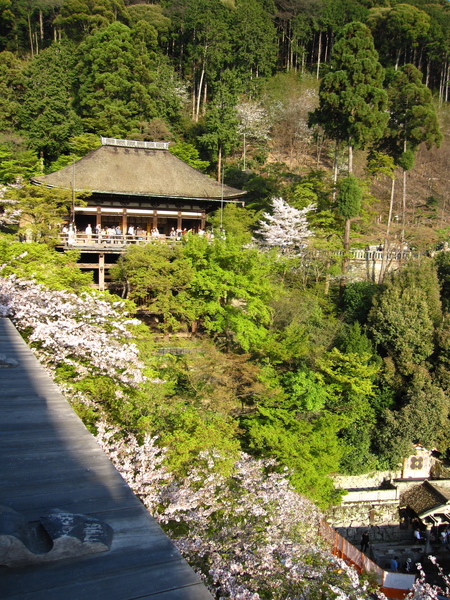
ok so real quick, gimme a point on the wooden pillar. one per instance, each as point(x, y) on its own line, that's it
point(203, 220)
point(98, 216)
point(124, 222)
point(101, 271)
point(155, 219)
point(179, 221)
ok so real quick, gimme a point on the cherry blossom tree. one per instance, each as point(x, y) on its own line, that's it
point(287, 228)
point(86, 331)
point(249, 536)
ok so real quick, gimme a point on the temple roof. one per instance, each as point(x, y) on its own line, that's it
point(138, 169)
point(426, 498)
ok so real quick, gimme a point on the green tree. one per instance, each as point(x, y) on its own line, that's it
point(190, 155)
point(400, 322)
point(348, 207)
point(11, 90)
point(231, 289)
point(422, 419)
point(307, 445)
point(56, 270)
point(46, 116)
point(352, 101)
point(253, 38)
point(398, 28)
point(113, 82)
point(78, 146)
point(349, 379)
point(206, 45)
point(221, 121)
point(80, 18)
point(412, 121)
point(18, 166)
point(43, 210)
point(156, 277)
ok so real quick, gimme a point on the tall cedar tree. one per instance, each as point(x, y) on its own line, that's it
point(352, 100)
point(114, 82)
point(46, 116)
point(412, 121)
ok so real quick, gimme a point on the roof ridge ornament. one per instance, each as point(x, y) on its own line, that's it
point(134, 144)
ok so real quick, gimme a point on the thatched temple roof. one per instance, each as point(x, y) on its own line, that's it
point(137, 169)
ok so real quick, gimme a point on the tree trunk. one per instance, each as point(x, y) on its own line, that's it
point(402, 236)
point(30, 35)
point(199, 93)
point(350, 159)
point(335, 168)
point(319, 52)
point(387, 234)
point(219, 162)
point(41, 26)
point(346, 259)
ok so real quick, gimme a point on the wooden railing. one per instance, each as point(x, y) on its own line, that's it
point(105, 241)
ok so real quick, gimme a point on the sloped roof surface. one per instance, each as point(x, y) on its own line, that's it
point(425, 497)
point(140, 172)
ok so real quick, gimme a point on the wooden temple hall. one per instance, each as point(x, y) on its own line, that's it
point(140, 185)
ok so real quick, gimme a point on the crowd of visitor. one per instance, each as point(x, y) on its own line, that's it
point(115, 235)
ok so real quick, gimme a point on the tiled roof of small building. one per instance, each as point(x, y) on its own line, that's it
point(140, 169)
point(425, 498)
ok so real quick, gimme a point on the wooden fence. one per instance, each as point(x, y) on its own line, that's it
point(393, 585)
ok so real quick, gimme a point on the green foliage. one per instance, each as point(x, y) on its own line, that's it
point(78, 146)
point(17, 166)
point(305, 391)
point(156, 277)
point(356, 300)
point(400, 322)
point(442, 260)
point(423, 419)
point(235, 221)
point(412, 116)
point(46, 115)
point(359, 456)
point(349, 379)
point(187, 432)
point(221, 119)
point(79, 18)
point(113, 82)
point(349, 198)
point(11, 90)
point(43, 211)
point(231, 288)
point(38, 261)
point(309, 447)
point(352, 99)
point(189, 154)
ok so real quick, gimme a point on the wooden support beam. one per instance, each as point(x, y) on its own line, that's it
point(101, 271)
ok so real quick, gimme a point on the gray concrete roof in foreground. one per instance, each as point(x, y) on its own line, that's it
point(50, 460)
point(138, 172)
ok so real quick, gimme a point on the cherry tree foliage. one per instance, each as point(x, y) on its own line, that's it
point(249, 537)
point(422, 590)
point(9, 211)
point(286, 228)
point(85, 331)
point(253, 121)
